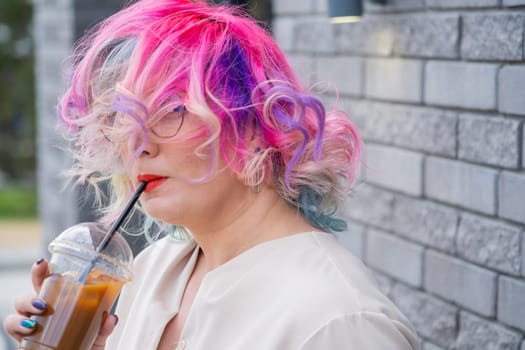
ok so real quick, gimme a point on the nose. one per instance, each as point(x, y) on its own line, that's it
point(151, 149)
point(142, 146)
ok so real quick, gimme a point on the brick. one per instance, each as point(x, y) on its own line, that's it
point(427, 36)
point(511, 302)
point(357, 109)
point(461, 3)
point(428, 223)
point(453, 83)
point(370, 205)
point(467, 185)
point(329, 70)
point(291, 7)
point(430, 346)
point(320, 6)
point(353, 239)
point(512, 196)
point(478, 333)
point(469, 286)
point(510, 82)
point(432, 318)
point(283, 32)
point(423, 129)
point(510, 3)
point(523, 254)
point(385, 283)
point(394, 168)
point(395, 257)
point(393, 79)
point(489, 140)
point(490, 243)
point(394, 6)
point(372, 36)
point(303, 66)
point(492, 36)
point(315, 36)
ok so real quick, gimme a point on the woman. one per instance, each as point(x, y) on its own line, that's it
point(198, 101)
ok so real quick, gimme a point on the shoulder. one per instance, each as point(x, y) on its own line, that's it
point(318, 276)
point(318, 259)
point(317, 262)
point(362, 330)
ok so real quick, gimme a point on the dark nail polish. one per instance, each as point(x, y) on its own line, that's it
point(39, 304)
point(39, 261)
point(116, 319)
point(28, 323)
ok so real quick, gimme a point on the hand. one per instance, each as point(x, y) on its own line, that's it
point(20, 324)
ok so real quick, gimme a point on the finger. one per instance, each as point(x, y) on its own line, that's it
point(108, 324)
point(39, 272)
point(18, 326)
point(28, 305)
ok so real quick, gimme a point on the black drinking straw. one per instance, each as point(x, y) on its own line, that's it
point(113, 229)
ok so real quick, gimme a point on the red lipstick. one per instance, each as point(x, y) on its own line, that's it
point(153, 181)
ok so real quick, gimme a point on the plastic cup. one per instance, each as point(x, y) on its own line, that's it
point(75, 309)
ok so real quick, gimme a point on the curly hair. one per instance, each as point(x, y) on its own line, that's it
point(141, 62)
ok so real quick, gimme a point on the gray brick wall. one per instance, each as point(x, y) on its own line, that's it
point(511, 78)
point(395, 257)
point(439, 216)
point(399, 170)
point(492, 36)
point(460, 183)
point(393, 79)
point(451, 83)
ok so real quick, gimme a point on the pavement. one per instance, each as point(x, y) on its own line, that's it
point(20, 247)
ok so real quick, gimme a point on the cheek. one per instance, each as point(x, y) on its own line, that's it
point(186, 163)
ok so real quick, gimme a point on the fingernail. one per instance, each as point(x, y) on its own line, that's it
point(39, 304)
point(116, 319)
point(28, 323)
point(39, 261)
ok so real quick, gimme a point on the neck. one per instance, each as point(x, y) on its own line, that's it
point(261, 217)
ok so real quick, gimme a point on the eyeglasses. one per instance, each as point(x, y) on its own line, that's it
point(165, 127)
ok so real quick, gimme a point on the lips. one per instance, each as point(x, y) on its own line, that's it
point(153, 181)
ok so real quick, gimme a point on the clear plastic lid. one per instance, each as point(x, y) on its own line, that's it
point(74, 248)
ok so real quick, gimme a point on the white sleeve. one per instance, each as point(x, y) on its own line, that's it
point(363, 331)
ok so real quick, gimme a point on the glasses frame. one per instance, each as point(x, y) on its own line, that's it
point(152, 129)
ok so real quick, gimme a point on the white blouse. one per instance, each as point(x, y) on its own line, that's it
point(303, 291)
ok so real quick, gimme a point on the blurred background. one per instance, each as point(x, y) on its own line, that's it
point(17, 114)
point(20, 230)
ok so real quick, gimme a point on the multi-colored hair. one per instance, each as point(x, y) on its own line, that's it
point(141, 62)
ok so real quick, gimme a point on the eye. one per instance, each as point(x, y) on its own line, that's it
point(170, 124)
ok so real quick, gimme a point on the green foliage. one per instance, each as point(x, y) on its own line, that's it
point(17, 202)
point(17, 106)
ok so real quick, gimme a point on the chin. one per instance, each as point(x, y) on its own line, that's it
point(160, 211)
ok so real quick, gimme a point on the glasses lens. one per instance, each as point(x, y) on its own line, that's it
point(170, 124)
